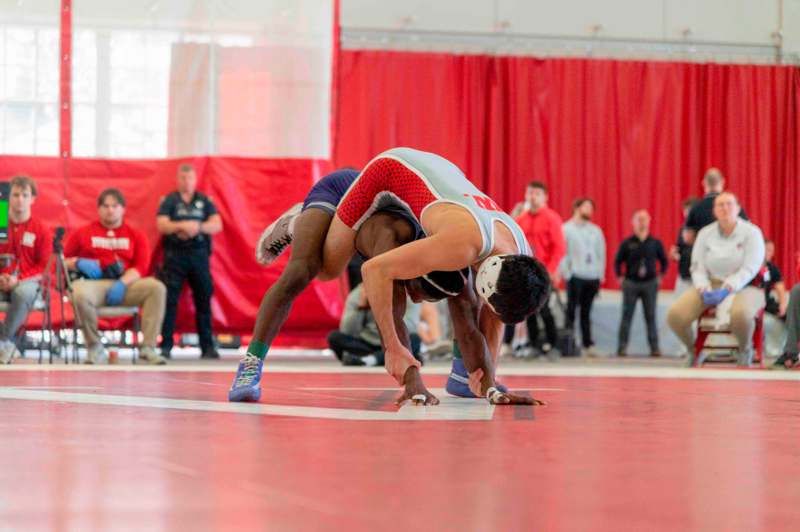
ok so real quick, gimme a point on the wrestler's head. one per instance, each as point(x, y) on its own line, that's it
point(514, 286)
point(435, 286)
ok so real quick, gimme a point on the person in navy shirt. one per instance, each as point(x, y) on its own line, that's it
point(186, 220)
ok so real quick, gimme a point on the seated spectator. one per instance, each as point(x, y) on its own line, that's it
point(774, 287)
point(112, 258)
point(726, 257)
point(790, 358)
point(430, 331)
point(24, 258)
point(641, 255)
point(358, 342)
point(777, 299)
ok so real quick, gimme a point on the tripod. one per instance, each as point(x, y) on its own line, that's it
point(63, 287)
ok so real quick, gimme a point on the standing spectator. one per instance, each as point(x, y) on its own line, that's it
point(542, 228)
point(640, 254)
point(681, 252)
point(112, 256)
point(187, 219)
point(25, 256)
point(726, 257)
point(702, 213)
point(583, 267)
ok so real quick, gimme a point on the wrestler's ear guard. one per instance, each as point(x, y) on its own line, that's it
point(486, 278)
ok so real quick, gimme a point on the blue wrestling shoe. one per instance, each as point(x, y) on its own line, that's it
point(247, 383)
point(458, 382)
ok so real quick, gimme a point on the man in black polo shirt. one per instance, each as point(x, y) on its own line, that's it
point(639, 255)
point(702, 214)
point(681, 252)
point(187, 219)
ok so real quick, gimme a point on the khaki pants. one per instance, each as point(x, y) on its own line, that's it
point(148, 293)
point(689, 306)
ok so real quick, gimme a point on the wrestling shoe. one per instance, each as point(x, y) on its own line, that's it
point(247, 383)
point(786, 361)
point(458, 382)
point(277, 237)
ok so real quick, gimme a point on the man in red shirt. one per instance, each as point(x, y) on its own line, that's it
point(112, 256)
point(23, 259)
point(542, 228)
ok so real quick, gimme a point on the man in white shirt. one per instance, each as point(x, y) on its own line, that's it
point(726, 257)
point(583, 268)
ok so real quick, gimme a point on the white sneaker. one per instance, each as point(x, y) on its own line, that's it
point(8, 352)
point(151, 357)
point(744, 359)
point(96, 354)
point(591, 352)
point(277, 237)
point(506, 350)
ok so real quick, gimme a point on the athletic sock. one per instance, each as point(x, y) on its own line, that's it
point(258, 349)
point(456, 350)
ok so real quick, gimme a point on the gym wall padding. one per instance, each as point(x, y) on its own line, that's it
point(249, 194)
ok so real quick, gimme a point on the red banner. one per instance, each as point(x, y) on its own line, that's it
point(249, 194)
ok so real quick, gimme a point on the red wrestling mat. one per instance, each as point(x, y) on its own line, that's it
point(162, 450)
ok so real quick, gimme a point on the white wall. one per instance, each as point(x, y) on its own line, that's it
point(713, 29)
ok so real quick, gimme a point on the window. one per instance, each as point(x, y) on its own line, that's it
point(28, 90)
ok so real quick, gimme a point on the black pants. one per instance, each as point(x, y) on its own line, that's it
point(581, 293)
point(632, 291)
point(191, 266)
point(340, 342)
point(533, 328)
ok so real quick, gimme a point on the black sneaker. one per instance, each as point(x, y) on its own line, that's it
point(210, 353)
point(786, 361)
point(351, 360)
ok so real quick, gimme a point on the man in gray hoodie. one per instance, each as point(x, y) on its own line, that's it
point(583, 268)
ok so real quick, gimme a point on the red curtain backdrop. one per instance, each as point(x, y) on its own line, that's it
point(628, 134)
point(249, 194)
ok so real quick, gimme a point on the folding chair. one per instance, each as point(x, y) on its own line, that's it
point(125, 312)
point(708, 325)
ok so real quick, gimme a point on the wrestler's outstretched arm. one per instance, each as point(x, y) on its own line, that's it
point(382, 236)
point(446, 251)
point(475, 332)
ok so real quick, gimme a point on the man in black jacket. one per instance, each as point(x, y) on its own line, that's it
point(640, 254)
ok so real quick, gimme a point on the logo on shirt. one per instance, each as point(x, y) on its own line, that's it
point(484, 202)
point(28, 239)
point(100, 242)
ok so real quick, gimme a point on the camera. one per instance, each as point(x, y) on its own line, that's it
point(114, 270)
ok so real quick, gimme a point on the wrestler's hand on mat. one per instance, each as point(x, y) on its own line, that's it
point(495, 396)
point(414, 389)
